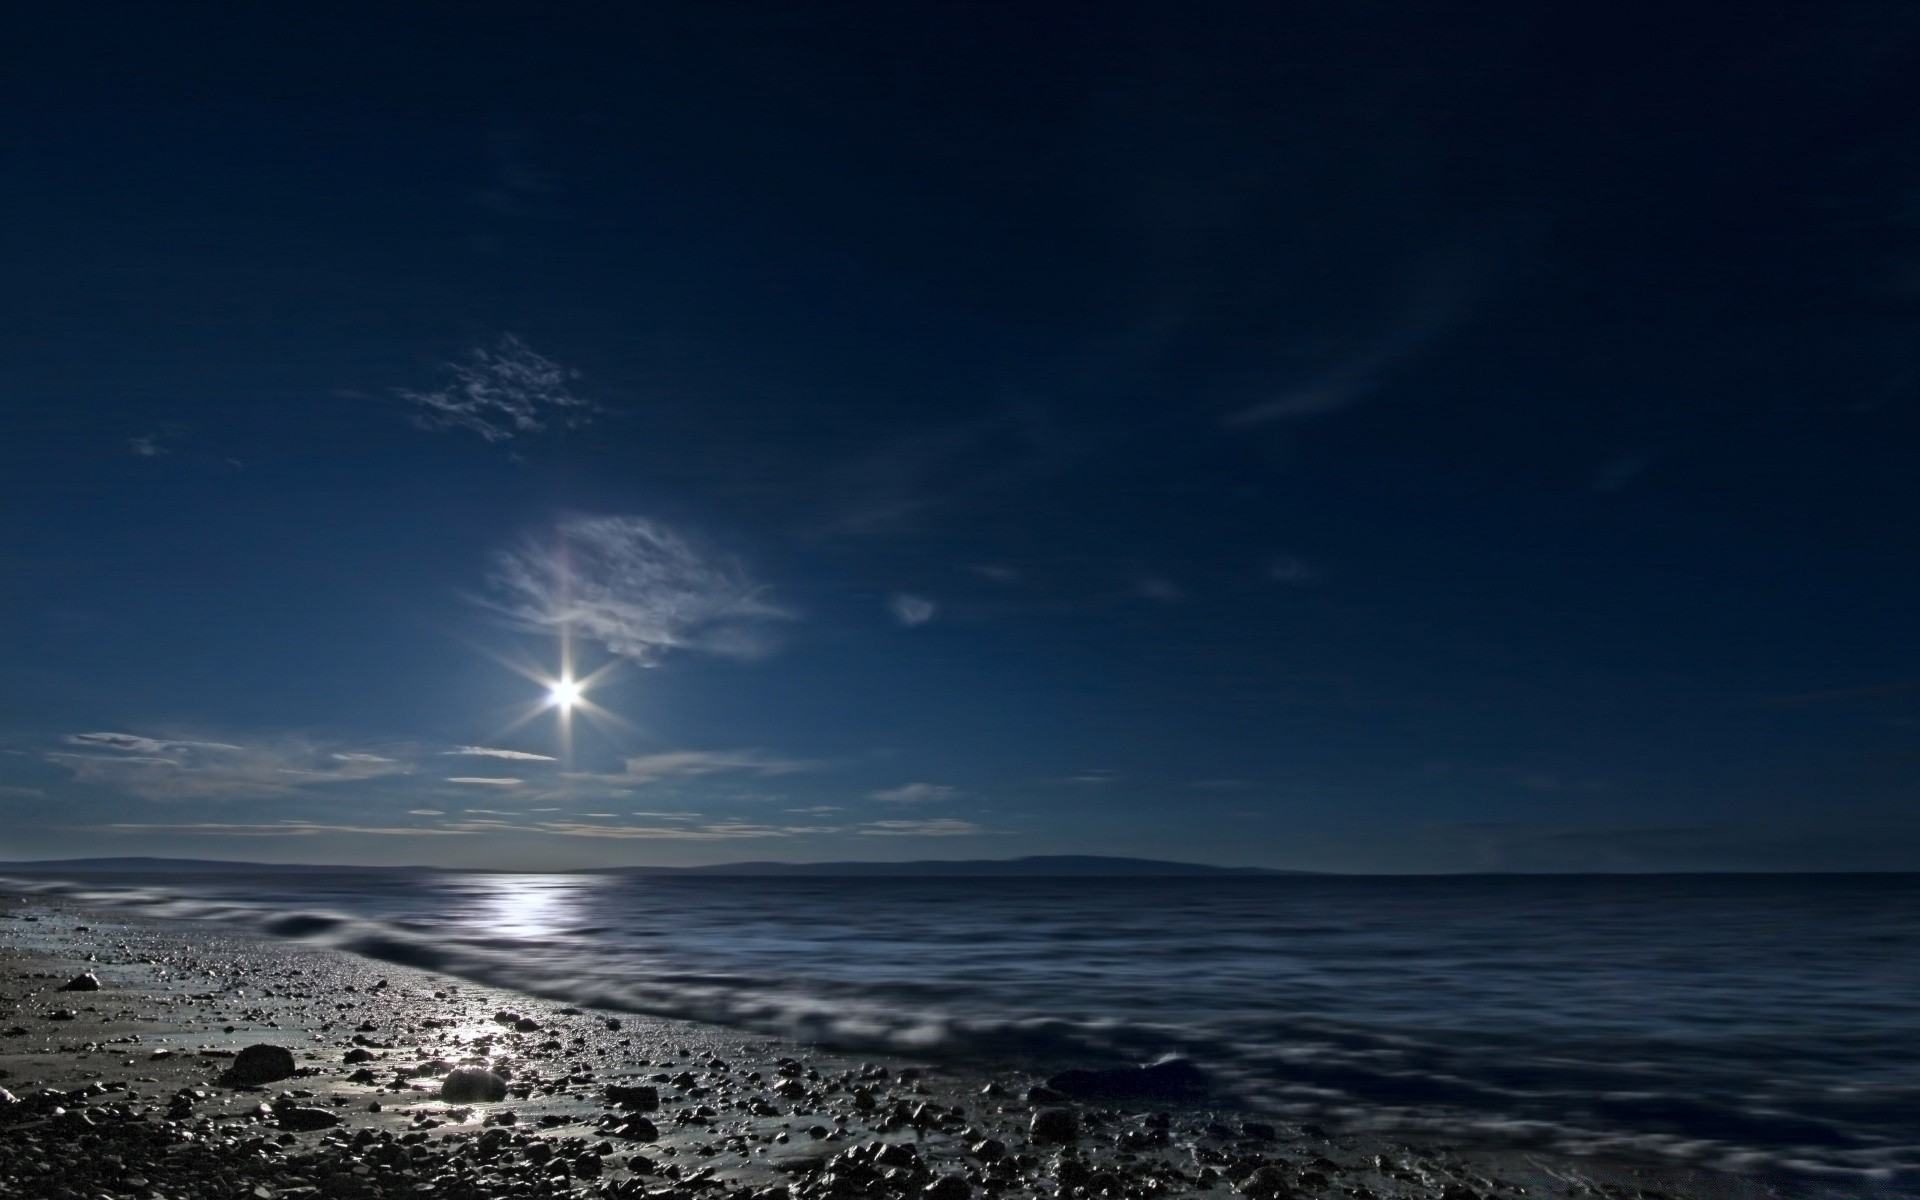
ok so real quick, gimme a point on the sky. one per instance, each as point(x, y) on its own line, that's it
point(1355, 436)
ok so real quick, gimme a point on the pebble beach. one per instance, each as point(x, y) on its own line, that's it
point(163, 1061)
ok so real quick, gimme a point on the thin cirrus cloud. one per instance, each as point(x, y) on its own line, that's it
point(491, 752)
point(498, 781)
point(672, 764)
point(635, 587)
point(183, 769)
point(501, 392)
point(912, 610)
point(915, 793)
point(943, 827)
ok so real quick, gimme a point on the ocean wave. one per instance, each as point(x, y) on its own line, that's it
point(1302, 1067)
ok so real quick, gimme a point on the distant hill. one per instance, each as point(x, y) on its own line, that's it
point(185, 866)
point(1043, 866)
point(1050, 866)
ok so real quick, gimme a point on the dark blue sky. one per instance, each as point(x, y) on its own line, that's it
point(1371, 436)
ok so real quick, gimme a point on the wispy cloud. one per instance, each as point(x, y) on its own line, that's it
point(283, 829)
point(912, 610)
point(916, 793)
point(501, 392)
point(1288, 569)
point(944, 827)
point(486, 780)
point(186, 769)
point(650, 768)
point(147, 446)
point(1440, 298)
point(1162, 591)
point(491, 752)
point(637, 588)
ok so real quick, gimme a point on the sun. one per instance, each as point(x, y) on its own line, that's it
point(564, 694)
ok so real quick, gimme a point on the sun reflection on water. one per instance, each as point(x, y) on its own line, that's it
point(529, 906)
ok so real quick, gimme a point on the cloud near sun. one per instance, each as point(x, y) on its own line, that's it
point(635, 587)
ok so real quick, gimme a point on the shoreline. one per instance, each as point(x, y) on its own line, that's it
point(123, 1098)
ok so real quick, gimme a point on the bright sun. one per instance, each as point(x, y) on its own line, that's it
point(566, 693)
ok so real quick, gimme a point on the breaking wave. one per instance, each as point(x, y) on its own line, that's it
point(1750, 1101)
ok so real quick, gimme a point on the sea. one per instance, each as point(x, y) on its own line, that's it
point(1758, 1023)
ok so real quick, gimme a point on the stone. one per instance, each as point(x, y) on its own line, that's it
point(637, 1129)
point(1173, 1079)
point(306, 1120)
point(1054, 1125)
point(633, 1095)
point(948, 1187)
point(89, 982)
point(1266, 1183)
point(260, 1063)
point(359, 1055)
point(473, 1085)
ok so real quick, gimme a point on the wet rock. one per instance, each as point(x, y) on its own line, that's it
point(637, 1129)
point(634, 1095)
point(1038, 1095)
point(1174, 1079)
point(948, 1187)
point(306, 1120)
point(89, 982)
point(473, 1085)
point(1054, 1125)
point(1266, 1183)
point(1260, 1131)
point(260, 1063)
point(989, 1149)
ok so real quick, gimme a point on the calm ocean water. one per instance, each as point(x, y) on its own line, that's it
point(1741, 1021)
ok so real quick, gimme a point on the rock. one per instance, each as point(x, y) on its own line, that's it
point(359, 1055)
point(305, 1120)
point(1039, 1095)
point(633, 1095)
point(1174, 1079)
point(471, 1085)
point(63, 1014)
point(527, 1025)
point(258, 1064)
point(637, 1129)
point(989, 1149)
point(1055, 1125)
point(948, 1187)
point(7, 1098)
point(1260, 1131)
point(88, 982)
point(1266, 1183)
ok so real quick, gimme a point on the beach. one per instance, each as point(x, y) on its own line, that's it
point(129, 1091)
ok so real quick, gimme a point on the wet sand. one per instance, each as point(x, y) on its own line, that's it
point(129, 1091)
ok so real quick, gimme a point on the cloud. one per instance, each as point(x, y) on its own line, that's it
point(283, 829)
point(425, 812)
point(916, 793)
point(912, 610)
point(945, 827)
point(650, 768)
point(1288, 569)
point(635, 587)
point(486, 780)
point(147, 446)
point(135, 744)
point(997, 573)
point(1164, 591)
point(490, 752)
point(501, 392)
point(179, 769)
point(1438, 301)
